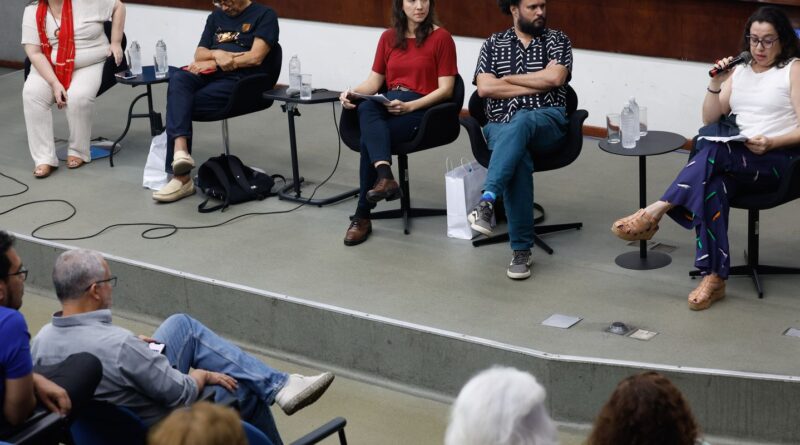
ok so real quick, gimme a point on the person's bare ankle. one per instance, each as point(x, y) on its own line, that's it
point(183, 178)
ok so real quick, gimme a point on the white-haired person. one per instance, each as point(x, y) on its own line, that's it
point(501, 406)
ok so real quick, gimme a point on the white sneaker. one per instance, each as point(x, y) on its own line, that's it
point(174, 190)
point(301, 391)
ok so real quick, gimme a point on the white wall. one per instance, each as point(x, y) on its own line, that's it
point(339, 56)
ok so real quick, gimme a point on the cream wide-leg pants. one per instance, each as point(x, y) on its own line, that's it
point(38, 101)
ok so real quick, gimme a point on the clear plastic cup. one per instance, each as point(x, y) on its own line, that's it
point(305, 87)
point(642, 121)
point(612, 128)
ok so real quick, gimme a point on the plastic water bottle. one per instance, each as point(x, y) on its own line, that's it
point(294, 75)
point(161, 67)
point(635, 108)
point(629, 127)
point(135, 58)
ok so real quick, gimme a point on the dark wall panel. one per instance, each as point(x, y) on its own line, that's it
point(698, 30)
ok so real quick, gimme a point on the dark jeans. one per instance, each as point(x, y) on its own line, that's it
point(79, 375)
point(191, 94)
point(379, 129)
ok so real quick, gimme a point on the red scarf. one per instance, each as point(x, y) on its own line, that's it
point(65, 59)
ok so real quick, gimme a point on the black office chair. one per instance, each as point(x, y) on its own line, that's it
point(247, 97)
point(440, 126)
point(555, 158)
point(109, 69)
point(789, 190)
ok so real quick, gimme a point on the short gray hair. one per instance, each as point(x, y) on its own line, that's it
point(501, 406)
point(75, 270)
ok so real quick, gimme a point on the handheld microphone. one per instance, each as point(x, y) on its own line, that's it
point(744, 57)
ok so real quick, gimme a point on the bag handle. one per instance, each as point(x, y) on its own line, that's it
point(235, 166)
point(223, 179)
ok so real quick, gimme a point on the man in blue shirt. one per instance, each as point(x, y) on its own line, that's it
point(521, 73)
point(19, 384)
point(237, 38)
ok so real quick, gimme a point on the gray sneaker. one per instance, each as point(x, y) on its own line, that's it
point(520, 267)
point(480, 218)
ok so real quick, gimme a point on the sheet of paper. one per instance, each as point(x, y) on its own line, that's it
point(561, 321)
point(738, 137)
point(641, 334)
point(376, 97)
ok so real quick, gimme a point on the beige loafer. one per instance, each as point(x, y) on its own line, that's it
point(182, 163)
point(174, 190)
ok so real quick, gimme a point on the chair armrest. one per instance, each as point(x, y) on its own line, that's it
point(316, 436)
point(439, 126)
point(246, 95)
point(39, 431)
point(480, 150)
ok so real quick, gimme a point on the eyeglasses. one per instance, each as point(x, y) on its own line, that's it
point(221, 3)
point(22, 271)
point(765, 42)
point(111, 282)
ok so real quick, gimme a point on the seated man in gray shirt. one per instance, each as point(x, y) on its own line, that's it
point(147, 382)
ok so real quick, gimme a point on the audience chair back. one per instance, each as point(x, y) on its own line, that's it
point(788, 190)
point(247, 96)
point(439, 126)
point(109, 69)
point(41, 428)
point(102, 423)
point(555, 158)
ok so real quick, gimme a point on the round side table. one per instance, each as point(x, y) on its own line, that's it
point(654, 143)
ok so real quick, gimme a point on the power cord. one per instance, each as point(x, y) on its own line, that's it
point(170, 228)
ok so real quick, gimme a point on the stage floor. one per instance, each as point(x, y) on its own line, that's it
point(423, 278)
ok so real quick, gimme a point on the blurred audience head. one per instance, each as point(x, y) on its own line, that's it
point(203, 423)
point(6, 243)
point(501, 406)
point(645, 409)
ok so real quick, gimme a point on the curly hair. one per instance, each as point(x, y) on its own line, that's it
point(786, 35)
point(6, 243)
point(645, 409)
point(505, 5)
point(400, 24)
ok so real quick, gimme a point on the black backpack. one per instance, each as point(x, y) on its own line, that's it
point(227, 179)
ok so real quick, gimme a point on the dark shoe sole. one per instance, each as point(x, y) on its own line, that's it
point(356, 242)
point(376, 198)
point(309, 396)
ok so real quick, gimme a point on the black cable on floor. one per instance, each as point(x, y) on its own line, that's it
point(171, 228)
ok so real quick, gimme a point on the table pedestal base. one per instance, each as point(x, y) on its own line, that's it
point(634, 260)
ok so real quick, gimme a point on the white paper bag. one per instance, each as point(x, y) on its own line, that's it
point(155, 177)
point(463, 187)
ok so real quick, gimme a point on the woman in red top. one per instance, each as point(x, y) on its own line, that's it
point(416, 60)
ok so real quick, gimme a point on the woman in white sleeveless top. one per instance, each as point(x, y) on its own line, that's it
point(762, 99)
point(67, 47)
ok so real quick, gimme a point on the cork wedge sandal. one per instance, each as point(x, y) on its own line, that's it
point(710, 290)
point(639, 226)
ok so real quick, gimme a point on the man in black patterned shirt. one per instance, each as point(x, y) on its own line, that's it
point(521, 74)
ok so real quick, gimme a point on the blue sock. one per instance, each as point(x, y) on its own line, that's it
point(488, 196)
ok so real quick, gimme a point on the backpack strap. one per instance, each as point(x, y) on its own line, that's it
point(223, 179)
point(237, 169)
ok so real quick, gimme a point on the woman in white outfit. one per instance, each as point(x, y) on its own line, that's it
point(67, 47)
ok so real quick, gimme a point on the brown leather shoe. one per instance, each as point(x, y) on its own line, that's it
point(358, 232)
point(385, 188)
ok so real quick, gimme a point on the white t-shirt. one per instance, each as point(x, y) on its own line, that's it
point(91, 44)
point(762, 102)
